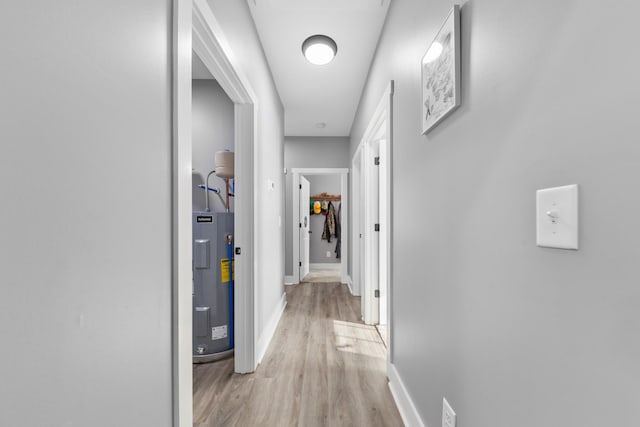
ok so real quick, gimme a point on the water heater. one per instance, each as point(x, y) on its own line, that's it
point(212, 286)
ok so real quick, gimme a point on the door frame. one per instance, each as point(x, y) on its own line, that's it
point(196, 28)
point(381, 123)
point(295, 216)
point(371, 218)
point(304, 228)
point(356, 235)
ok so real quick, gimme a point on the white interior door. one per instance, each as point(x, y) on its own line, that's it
point(355, 233)
point(361, 230)
point(304, 226)
point(371, 234)
point(374, 262)
point(382, 235)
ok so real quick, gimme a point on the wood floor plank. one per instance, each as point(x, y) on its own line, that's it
point(314, 408)
point(324, 367)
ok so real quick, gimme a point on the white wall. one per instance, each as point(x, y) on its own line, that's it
point(236, 22)
point(318, 248)
point(513, 334)
point(309, 152)
point(213, 122)
point(85, 253)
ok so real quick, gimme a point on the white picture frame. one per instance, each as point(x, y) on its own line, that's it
point(441, 73)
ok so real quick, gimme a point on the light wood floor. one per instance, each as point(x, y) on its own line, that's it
point(323, 368)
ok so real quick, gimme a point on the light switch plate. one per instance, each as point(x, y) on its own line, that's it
point(448, 416)
point(557, 217)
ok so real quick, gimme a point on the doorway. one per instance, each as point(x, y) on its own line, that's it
point(212, 114)
point(301, 254)
point(196, 28)
point(372, 219)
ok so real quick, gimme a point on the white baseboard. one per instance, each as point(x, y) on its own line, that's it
point(349, 283)
point(289, 280)
point(325, 266)
point(270, 329)
point(406, 407)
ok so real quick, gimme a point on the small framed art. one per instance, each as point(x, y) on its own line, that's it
point(441, 73)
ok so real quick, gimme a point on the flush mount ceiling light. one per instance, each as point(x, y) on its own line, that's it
point(319, 49)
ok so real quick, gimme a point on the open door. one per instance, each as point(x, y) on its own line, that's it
point(356, 236)
point(373, 220)
point(304, 226)
point(371, 233)
point(382, 236)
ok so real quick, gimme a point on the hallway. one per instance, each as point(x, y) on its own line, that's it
point(323, 368)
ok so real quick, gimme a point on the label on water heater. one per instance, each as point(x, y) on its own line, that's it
point(224, 270)
point(204, 218)
point(218, 332)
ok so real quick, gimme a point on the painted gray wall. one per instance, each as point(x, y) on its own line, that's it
point(513, 334)
point(309, 152)
point(85, 254)
point(317, 247)
point(236, 22)
point(213, 123)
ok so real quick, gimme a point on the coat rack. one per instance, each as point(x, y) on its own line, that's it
point(328, 197)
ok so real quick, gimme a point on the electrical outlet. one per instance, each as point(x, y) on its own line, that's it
point(328, 254)
point(448, 416)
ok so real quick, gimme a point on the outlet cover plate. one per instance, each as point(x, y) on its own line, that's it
point(557, 217)
point(448, 415)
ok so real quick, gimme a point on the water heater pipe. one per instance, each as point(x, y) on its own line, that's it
point(206, 192)
point(226, 181)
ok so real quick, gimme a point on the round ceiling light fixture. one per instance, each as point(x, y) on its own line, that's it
point(319, 49)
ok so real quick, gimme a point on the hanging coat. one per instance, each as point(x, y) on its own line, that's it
point(338, 250)
point(329, 223)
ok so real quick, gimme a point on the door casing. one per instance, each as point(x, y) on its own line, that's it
point(380, 128)
point(303, 230)
point(295, 216)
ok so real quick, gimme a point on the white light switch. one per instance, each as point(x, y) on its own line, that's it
point(557, 217)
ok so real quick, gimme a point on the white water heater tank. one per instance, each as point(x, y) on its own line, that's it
point(224, 164)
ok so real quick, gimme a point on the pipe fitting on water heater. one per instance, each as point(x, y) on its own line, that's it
point(224, 169)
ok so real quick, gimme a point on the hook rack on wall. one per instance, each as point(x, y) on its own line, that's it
point(328, 197)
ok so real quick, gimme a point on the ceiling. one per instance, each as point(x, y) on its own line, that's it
point(313, 94)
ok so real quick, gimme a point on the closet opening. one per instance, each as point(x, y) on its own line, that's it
point(213, 193)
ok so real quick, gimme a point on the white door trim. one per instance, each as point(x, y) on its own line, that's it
point(382, 118)
point(195, 27)
point(356, 212)
point(295, 215)
point(303, 231)
point(181, 298)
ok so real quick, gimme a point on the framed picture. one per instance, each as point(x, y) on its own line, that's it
point(441, 73)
